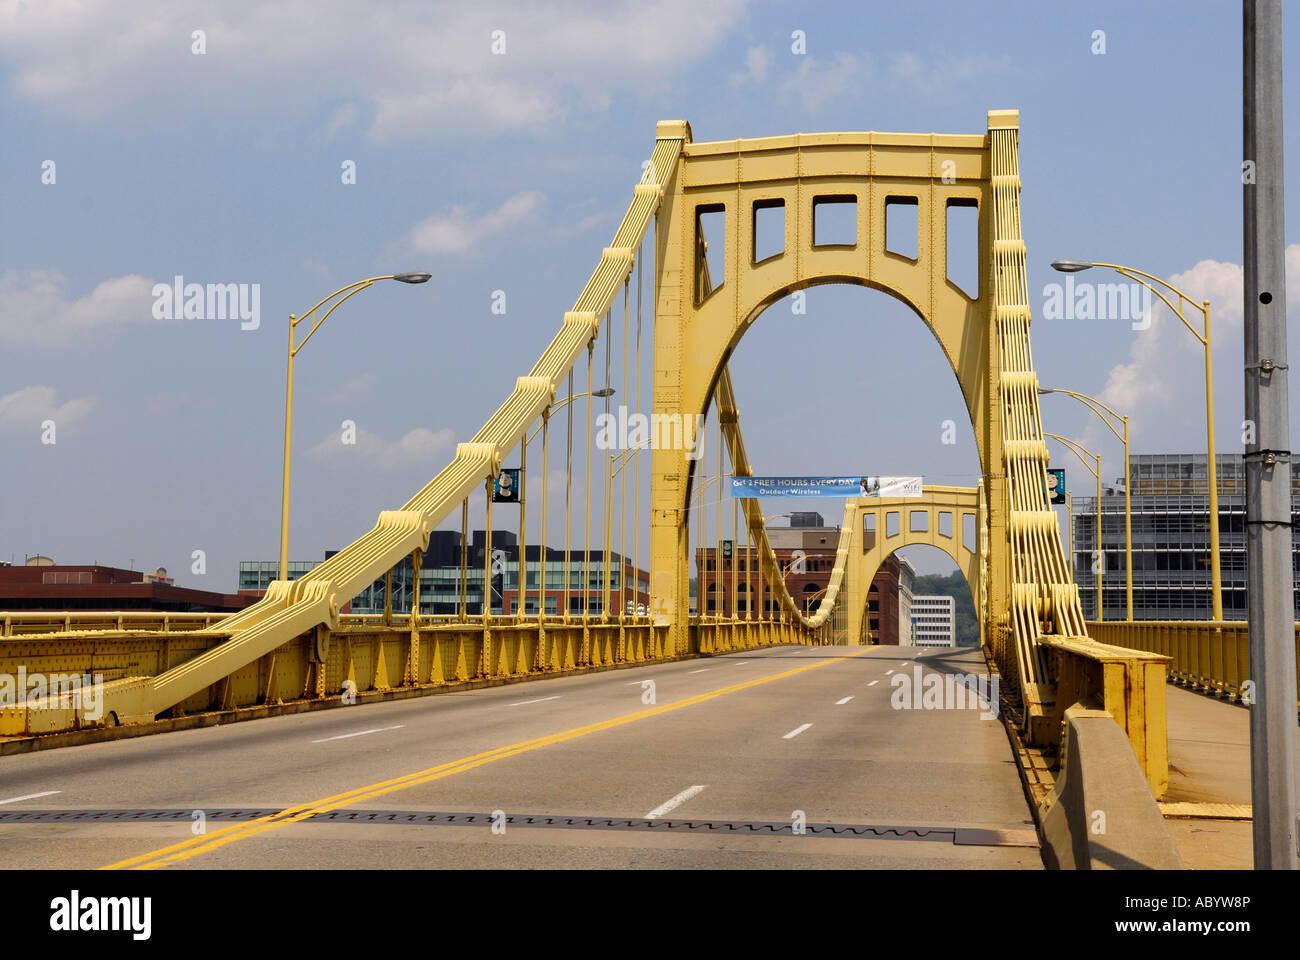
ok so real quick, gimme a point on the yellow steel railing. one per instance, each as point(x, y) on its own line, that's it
point(1211, 656)
point(27, 623)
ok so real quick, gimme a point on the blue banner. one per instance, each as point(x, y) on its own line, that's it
point(825, 487)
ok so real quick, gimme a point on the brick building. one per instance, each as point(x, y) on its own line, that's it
point(806, 551)
point(40, 584)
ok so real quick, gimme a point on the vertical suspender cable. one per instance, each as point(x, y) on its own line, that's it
point(568, 496)
point(609, 479)
point(636, 487)
point(586, 535)
point(546, 507)
point(622, 507)
point(464, 560)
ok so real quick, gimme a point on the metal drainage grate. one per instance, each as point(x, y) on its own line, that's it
point(961, 836)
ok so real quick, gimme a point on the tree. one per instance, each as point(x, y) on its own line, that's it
point(966, 624)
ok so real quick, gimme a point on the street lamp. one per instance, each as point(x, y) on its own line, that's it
point(1095, 469)
point(786, 570)
point(807, 601)
point(1108, 417)
point(1212, 465)
point(343, 293)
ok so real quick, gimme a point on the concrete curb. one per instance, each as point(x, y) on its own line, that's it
point(1101, 815)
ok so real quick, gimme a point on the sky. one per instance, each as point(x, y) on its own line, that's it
point(215, 141)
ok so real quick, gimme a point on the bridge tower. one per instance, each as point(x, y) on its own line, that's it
point(698, 325)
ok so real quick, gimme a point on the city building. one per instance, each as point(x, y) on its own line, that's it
point(256, 575)
point(934, 621)
point(1171, 539)
point(446, 591)
point(805, 550)
point(889, 603)
point(41, 584)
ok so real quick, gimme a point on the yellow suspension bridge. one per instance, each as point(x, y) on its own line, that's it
point(1069, 698)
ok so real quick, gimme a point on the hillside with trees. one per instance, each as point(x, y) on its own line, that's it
point(953, 585)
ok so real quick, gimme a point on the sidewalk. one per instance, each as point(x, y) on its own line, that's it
point(1209, 764)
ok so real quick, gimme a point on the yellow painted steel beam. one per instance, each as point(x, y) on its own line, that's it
point(290, 609)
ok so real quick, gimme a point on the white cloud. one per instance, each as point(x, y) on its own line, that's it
point(941, 77)
point(28, 408)
point(847, 76)
point(344, 116)
point(1161, 386)
point(817, 83)
point(355, 386)
point(417, 446)
point(458, 231)
point(35, 307)
point(757, 61)
point(422, 67)
point(572, 229)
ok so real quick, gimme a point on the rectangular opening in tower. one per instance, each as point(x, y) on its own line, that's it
point(901, 218)
point(710, 249)
point(769, 229)
point(835, 220)
point(962, 233)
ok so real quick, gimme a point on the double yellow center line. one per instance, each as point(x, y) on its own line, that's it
point(208, 842)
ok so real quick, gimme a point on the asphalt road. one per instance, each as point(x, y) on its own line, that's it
point(717, 771)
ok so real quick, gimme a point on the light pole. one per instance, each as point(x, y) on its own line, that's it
point(807, 601)
point(343, 293)
point(1270, 592)
point(789, 568)
point(1212, 465)
point(1109, 417)
point(1098, 562)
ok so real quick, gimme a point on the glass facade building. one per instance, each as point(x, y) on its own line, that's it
point(1171, 539)
point(441, 580)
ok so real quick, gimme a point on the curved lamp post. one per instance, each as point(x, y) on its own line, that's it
point(1156, 286)
point(343, 293)
point(1110, 417)
point(1080, 451)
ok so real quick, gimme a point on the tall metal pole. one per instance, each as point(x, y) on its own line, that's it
point(1216, 574)
point(288, 446)
point(1099, 561)
point(1269, 589)
point(1069, 522)
point(1128, 527)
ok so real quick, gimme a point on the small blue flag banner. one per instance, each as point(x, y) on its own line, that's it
point(746, 487)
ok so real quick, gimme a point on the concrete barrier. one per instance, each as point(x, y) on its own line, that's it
point(1101, 815)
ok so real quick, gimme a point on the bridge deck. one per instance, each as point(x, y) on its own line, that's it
point(599, 756)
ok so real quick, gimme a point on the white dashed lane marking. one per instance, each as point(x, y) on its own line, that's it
point(675, 802)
